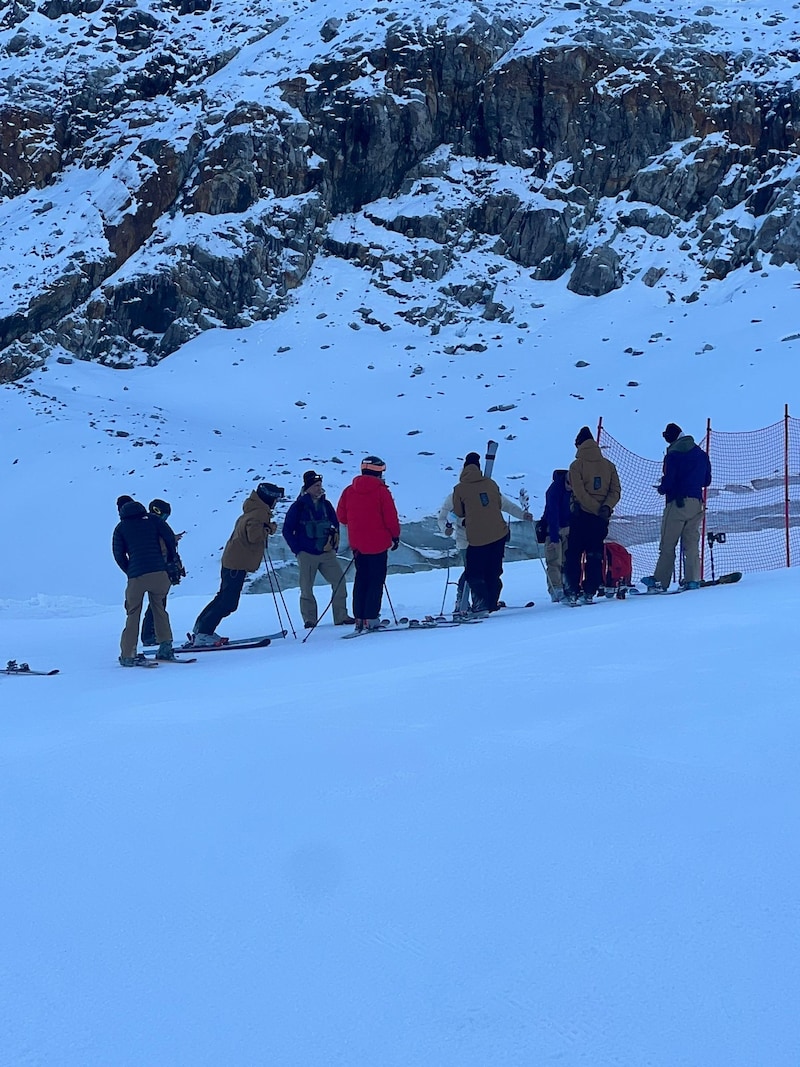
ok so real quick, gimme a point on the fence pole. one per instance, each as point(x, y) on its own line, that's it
point(599, 428)
point(786, 481)
point(705, 500)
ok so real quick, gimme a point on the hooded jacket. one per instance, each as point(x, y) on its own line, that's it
point(311, 525)
point(460, 531)
point(556, 506)
point(367, 509)
point(245, 548)
point(686, 471)
point(593, 479)
point(137, 541)
point(478, 501)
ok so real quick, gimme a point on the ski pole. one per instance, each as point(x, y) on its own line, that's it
point(276, 585)
point(333, 594)
point(446, 585)
point(391, 605)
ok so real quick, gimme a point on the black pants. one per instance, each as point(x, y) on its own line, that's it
point(368, 586)
point(484, 567)
point(585, 547)
point(224, 603)
point(149, 627)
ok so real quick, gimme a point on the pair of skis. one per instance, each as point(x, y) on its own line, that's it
point(12, 667)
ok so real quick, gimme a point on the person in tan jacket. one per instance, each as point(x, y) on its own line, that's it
point(594, 483)
point(244, 552)
point(478, 501)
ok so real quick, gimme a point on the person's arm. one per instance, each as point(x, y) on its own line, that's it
point(614, 491)
point(120, 550)
point(582, 498)
point(443, 518)
point(289, 530)
point(514, 509)
point(391, 519)
point(458, 504)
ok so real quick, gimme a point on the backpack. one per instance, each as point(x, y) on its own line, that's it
point(617, 565)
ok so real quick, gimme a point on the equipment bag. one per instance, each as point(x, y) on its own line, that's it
point(617, 565)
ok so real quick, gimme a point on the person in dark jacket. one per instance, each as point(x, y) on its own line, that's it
point(136, 545)
point(368, 511)
point(243, 553)
point(162, 510)
point(311, 530)
point(686, 474)
point(556, 519)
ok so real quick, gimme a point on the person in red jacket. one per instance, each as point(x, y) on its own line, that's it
point(367, 509)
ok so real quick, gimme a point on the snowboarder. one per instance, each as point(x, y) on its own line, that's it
point(162, 510)
point(136, 545)
point(459, 532)
point(477, 500)
point(686, 474)
point(311, 530)
point(595, 488)
point(556, 519)
point(368, 511)
point(243, 553)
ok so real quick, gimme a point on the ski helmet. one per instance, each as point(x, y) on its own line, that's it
point(372, 465)
point(269, 493)
point(160, 508)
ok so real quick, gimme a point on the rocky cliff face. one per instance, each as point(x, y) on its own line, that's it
point(171, 165)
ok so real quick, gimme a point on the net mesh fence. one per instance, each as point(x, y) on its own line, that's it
point(755, 488)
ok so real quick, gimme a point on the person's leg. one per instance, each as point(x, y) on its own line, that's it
point(376, 566)
point(308, 564)
point(359, 587)
point(134, 595)
point(148, 630)
point(690, 539)
point(494, 570)
point(331, 570)
point(224, 603)
point(596, 533)
point(574, 553)
point(672, 523)
point(158, 586)
point(476, 577)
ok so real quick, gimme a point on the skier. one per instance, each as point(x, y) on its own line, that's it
point(458, 531)
point(556, 518)
point(478, 501)
point(243, 553)
point(136, 545)
point(311, 530)
point(368, 511)
point(595, 488)
point(162, 510)
point(686, 474)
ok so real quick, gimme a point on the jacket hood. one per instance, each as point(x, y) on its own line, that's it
point(133, 510)
point(472, 473)
point(367, 485)
point(589, 450)
point(683, 444)
point(255, 503)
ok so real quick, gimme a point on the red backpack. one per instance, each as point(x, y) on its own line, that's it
point(617, 565)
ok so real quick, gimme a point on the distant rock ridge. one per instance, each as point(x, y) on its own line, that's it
point(163, 170)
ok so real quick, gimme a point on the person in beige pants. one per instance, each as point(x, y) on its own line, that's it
point(686, 474)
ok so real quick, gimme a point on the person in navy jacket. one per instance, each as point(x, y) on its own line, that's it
point(311, 530)
point(137, 547)
point(556, 518)
point(686, 474)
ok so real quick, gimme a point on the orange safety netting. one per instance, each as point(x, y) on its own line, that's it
point(753, 499)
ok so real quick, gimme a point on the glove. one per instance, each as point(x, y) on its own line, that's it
point(395, 543)
point(604, 512)
point(271, 527)
point(527, 517)
point(448, 529)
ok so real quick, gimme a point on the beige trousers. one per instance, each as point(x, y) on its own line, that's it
point(680, 524)
point(156, 584)
point(328, 566)
point(554, 552)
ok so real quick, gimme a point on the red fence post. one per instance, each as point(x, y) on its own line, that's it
point(786, 481)
point(705, 499)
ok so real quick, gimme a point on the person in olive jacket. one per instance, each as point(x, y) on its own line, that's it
point(137, 547)
point(311, 530)
point(594, 483)
point(243, 553)
point(478, 501)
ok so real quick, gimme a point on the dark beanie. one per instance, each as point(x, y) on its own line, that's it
point(122, 501)
point(472, 459)
point(672, 433)
point(309, 478)
point(584, 434)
